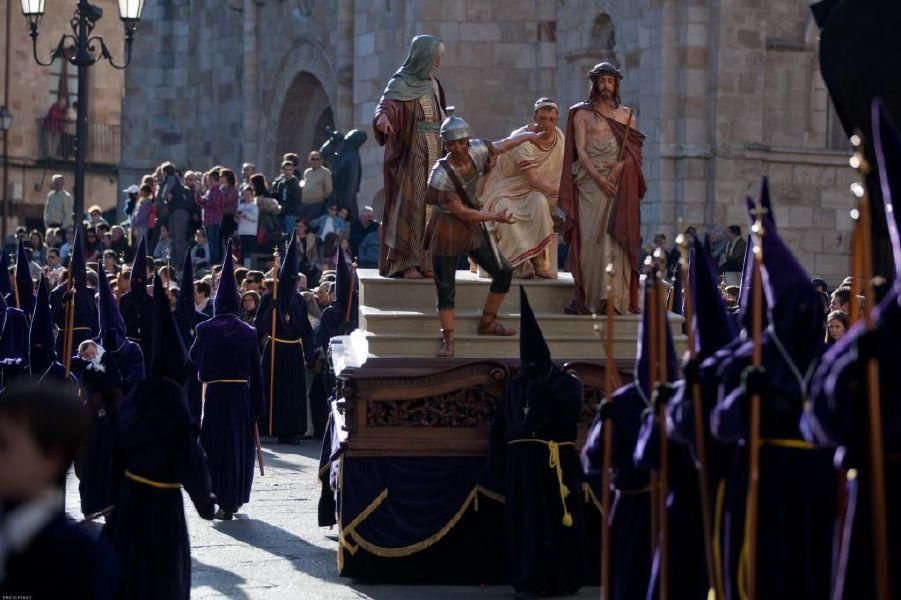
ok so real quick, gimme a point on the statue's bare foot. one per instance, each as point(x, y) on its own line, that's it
point(544, 274)
point(412, 273)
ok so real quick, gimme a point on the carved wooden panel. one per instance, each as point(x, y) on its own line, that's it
point(424, 408)
point(470, 407)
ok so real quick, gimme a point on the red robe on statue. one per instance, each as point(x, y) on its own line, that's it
point(625, 217)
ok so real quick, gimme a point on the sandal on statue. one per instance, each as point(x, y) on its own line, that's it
point(489, 326)
point(447, 343)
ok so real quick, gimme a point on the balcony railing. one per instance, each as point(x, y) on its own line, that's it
point(56, 142)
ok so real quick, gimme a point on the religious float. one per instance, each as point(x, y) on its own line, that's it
point(406, 468)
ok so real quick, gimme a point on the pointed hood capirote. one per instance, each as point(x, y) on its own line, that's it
point(139, 268)
point(343, 283)
point(5, 288)
point(785, 281)
point(765, 206)
point(112, 325)
point(41, 349)
point(795, 307)
point(79, 272)
point(287, 277)
point(643, 358)
point(745, 294)
point(713, 328)
point(747, 266)
point(185, 303)
point(24, 284)
point(888, 158)
point(227, 300)
point(534, 353)
point(169, 355)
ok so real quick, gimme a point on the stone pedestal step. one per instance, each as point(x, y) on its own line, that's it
point(398, 319)
point(545, 295)
point(481, 346)
point(412, 322)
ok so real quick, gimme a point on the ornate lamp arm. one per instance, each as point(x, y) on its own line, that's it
point(105, 53)
point(58, 52)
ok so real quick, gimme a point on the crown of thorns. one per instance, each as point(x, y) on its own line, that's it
point(604, 68)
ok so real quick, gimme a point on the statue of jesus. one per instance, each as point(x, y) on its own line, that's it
point(601, 185)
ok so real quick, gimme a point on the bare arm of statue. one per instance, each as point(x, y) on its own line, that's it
point(513, 141)
point(580, 123)
point(470, 215)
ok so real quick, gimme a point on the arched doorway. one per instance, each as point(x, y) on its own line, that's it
point(304, 119)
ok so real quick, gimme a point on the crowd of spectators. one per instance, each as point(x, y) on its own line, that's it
point(727, 248)
point(196, 213)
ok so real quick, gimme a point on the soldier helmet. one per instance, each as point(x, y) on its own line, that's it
point(453, 127)
point(604, 68)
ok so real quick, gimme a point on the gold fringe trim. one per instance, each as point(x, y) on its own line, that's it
point(349, 528)
point(352, 541)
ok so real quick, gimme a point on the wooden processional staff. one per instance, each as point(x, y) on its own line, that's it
point(753, 499)
point(714, 580)
point(863, 259)
point(611, 380)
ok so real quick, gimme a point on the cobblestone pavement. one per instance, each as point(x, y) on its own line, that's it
point(274, 548)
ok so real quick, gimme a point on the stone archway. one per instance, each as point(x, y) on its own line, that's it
point(303, 117)
point(300, 101)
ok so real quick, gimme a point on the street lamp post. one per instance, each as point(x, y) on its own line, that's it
point(83, 50)
point(6, 121)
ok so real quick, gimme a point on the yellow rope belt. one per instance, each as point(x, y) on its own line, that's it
point(133, 339)
point(80, 329)
point(554, 463)
point(157, 484)
point(224, 381)
point(282, 341)
point(788, 443)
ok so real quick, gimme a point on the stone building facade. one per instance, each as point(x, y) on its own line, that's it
point(726, 92)
point(33, 154)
